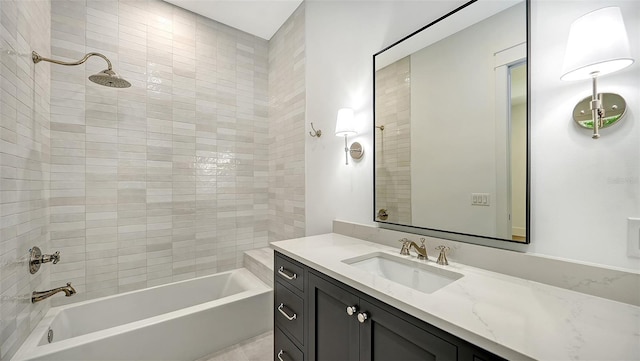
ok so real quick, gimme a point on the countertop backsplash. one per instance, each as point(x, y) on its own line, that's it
point(614, 284)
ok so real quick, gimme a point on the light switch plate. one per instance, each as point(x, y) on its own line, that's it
point(480, 199)
point(633, 237)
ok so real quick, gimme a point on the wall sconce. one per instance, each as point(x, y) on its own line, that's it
point(597, 45)
point(345, 126)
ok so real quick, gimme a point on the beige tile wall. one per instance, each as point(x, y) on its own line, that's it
point(25, 150)
point(287, 129)
point(172, 178)
point(393, 144)
point(165, 180)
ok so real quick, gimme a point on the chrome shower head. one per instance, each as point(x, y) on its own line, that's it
point(109, 78)
point(106, 77)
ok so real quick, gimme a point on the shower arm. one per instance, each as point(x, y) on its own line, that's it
point(37, 58)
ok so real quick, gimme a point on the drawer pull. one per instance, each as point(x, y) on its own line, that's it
point(287, 274)
point(290, 318)
point(280, 355)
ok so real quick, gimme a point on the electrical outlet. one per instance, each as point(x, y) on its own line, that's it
point(480, 199)
point(633, 237)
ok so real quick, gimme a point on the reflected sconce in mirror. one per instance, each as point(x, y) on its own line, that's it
point(345, 126)
point(597, 45)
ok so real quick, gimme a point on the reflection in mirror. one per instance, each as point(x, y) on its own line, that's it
point(452, 98)
point(517, 148)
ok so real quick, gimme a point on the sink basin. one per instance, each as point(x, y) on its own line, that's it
point(404, 271)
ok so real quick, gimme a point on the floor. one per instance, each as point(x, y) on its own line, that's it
point(259, 348)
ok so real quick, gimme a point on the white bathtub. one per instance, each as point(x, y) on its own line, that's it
point(179, 321)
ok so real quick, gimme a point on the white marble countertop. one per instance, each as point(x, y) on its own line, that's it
point(511, 317)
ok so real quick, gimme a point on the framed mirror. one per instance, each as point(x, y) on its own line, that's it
point(451, 124)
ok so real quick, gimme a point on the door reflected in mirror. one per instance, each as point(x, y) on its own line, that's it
point(518, 150)
point(453, 153)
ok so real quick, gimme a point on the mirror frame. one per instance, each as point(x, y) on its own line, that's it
point(452, 235)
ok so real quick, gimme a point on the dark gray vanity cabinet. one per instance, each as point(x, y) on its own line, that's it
point(342, 324)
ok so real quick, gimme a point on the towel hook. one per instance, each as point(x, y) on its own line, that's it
point(315, 133)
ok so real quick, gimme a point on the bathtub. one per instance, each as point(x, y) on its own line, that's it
point(184, 320)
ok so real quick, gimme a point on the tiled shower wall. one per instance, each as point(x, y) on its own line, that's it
point(287, 129)
point(24, 166)
point(393, 144)
point(165, 180)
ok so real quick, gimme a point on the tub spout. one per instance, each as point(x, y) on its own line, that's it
point(38, 296)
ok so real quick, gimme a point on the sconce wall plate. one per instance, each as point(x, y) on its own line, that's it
point(613, 105)
point(356, 151)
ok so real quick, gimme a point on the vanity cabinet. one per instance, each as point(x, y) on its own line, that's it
point(343, 324)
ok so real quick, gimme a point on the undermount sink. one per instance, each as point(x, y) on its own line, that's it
point(404, 271)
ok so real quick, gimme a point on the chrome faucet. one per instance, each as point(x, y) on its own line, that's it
point(38, 296)
point(420, 250)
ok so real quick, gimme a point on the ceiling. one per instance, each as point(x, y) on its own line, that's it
point(261, 18)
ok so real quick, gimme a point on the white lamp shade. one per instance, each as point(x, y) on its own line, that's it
point(597, 45)
point(345, 124)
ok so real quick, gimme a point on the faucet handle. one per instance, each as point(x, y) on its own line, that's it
point(36, 258)
point(442, 257)
point(405, 246)
point(54, 258)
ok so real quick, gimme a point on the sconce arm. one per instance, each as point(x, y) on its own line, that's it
point(596, 107)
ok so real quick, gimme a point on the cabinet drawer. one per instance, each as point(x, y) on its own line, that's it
point(289, 312)
point(284, 349)
point(289, 272)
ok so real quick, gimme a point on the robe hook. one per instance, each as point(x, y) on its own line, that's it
point(315, 133)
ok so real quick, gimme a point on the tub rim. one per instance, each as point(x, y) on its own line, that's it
point(32, 349)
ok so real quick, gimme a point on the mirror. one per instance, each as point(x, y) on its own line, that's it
point(451, 124)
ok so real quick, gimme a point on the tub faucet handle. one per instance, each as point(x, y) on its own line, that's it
point(36, 258)
point(53, 258)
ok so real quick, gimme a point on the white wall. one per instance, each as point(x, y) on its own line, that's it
point(341, 40)
point(582, 190)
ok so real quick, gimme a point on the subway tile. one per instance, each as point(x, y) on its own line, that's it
point(135, 180)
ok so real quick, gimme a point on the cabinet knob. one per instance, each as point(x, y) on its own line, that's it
point(351, 310)
point(362, 316)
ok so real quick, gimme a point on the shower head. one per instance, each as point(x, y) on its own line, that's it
point(107, 77)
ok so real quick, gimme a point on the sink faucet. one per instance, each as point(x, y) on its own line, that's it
point(38, 296)
point(420, 250)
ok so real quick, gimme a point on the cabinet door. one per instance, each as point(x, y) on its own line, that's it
point(333, 334)
point(387, 337)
